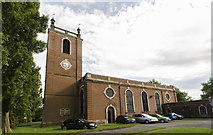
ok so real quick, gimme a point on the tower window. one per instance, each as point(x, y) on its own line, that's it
point(66, 46)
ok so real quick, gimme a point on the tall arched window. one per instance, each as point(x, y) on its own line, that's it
point(157, 102)
point(81, 102)
point(129, 101)
point(203, 110)
point(145, 102)
point(66, 46)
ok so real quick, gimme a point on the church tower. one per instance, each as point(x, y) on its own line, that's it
point(63, 72)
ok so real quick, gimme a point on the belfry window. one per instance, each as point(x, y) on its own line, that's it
point(203, 110)
point(145, 102)
point(157, 102)
point(129, 101)
point(66, 46)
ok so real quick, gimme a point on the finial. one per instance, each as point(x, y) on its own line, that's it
point(79, 30)
point(52, 22)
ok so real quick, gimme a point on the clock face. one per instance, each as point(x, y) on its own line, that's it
point(65, 64)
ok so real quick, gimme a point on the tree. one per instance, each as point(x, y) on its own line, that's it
point(207, 89)
point(153, 81)
point(21, 96)
point(181, 96)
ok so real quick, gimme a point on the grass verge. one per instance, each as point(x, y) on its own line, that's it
point(196, 119)
point(57, 129)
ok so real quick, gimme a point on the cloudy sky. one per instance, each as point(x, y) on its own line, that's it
point(169, 40)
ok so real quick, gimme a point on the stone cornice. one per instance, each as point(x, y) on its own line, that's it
point(95, 80)
point(65, 33)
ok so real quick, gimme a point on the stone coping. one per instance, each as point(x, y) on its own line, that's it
point(89, 77)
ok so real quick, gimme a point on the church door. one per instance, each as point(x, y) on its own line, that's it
point(111, 115)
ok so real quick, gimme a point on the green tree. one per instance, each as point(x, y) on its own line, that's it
point(153, 81)
point(207, 89)
point(21, 96)
point(182, 96)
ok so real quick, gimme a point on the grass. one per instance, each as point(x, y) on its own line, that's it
point(196, 118)
point(187, 130)
point(29, 124)
point(142, 131)
point(57, 129)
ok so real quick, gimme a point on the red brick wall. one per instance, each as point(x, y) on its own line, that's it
point(60, 86)
point(97, 102)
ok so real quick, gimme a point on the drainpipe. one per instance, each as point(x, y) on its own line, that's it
point(174, 95)
point(119, 88)
point(162, 96)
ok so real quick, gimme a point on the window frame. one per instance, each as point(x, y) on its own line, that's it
point(62, 45)
point(132, 101)
point(109, 87)
point(205, 109)
point(155, 102)
point(147, 101)
point(166, 97)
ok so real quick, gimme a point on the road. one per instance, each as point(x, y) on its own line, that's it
point(172, 124)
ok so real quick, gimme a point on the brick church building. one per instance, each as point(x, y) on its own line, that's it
point(93, 97)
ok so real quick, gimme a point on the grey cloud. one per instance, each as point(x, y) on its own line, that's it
point(181, 58)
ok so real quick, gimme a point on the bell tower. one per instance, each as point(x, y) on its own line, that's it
point(63, 72)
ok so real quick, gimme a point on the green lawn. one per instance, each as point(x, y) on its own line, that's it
point(57, 129)
point(196, 119)
point(29, 124)
point(182, 130)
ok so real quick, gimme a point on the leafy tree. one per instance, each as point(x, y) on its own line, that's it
point(207, 89)
point(181, 96)
point(21, 96)
point(153, 81)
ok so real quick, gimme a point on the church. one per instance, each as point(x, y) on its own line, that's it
point(93, 97)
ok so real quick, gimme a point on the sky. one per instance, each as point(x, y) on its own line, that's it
point(168, 40)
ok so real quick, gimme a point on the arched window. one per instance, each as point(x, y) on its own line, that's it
point(157, 102)
point(82, 102)
point(145, 102)
point(129, 101)
point(203, 110)
point(66, 46)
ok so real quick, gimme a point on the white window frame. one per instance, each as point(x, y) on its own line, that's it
point(205, 109)
point(169, 96)
point(62, 45)
point(155, 102)
point(132, 99)
point(109, 87)
point(147, 100)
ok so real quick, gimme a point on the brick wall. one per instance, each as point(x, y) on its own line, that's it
point(61, 90)
point(97, 101)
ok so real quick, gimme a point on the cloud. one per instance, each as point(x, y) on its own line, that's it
point(165, 39)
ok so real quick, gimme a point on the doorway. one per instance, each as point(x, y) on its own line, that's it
point(111, 115)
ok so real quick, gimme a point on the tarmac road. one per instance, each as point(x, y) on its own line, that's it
point(171, 124)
